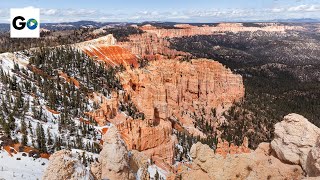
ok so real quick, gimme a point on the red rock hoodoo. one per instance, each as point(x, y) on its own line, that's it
point(174, 89)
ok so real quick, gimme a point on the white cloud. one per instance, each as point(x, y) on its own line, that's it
point(304, 8)
point(49, 12)
point(210, 15)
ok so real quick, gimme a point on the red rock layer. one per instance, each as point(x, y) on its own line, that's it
point(189, 30)
point(152, 139)
point(111, 55)
point(150, 46)
point(224, 148)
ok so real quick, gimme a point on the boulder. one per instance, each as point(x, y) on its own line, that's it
point(62, 165)
point(294, 138)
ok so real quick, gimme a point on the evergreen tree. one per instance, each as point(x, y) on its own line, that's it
point(24, 140)
point(23, 127)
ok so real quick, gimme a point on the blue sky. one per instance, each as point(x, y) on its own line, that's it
point(165, 10)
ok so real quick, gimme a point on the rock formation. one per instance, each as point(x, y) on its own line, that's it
point(151, 139)
point(63, 165)
point(150, 46)
point(139, 164)
point(114, 158)
point(266, 162)
point(224, 148)
point(189, 30)
point(259, 164)
point(313, 160)
point(105, 49)
point(294, 138)
point(171, 88)
point(168, 89)
point(108, 40)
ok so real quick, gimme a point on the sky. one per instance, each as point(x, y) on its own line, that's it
point(165, 10)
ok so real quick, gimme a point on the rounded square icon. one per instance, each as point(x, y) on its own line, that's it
point(25, 22)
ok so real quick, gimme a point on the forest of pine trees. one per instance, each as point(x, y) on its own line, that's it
point(28, 95)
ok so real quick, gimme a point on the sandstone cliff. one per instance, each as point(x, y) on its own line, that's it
point(152, 140)
point(150, 46)
point(268, 161)
point(105, 49)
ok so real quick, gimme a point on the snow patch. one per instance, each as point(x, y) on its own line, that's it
point(26, 168)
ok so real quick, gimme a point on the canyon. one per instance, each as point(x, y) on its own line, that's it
point(157, 98)
point(169, 89)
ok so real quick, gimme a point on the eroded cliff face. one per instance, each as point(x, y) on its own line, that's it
point(150, 46)
point(155, 140)
point(189, 30)
point(164, 91)
point(182, 89)
point(105, 49)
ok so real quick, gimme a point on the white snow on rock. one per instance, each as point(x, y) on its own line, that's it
point(153, 169)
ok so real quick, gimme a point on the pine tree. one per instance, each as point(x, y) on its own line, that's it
point(50, 141)
point(11, 121)
point(41, 139)
point(23, 127)
point(157, 176)
point(24, 140)
point(84, 159)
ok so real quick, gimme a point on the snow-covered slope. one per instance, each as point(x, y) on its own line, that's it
point(24, 169)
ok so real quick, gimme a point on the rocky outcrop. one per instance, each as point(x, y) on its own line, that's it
point(107, 40)
point(139, 164)
point(294, 137)
point(114, 158)
point(105, 49)
point(63, 165)
point(171, 88)
point(150, 46)
point(313, 160)
point(224, 148)
point(111, 55)
point(108, 108)
point(150, 138)
point(259, 164)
